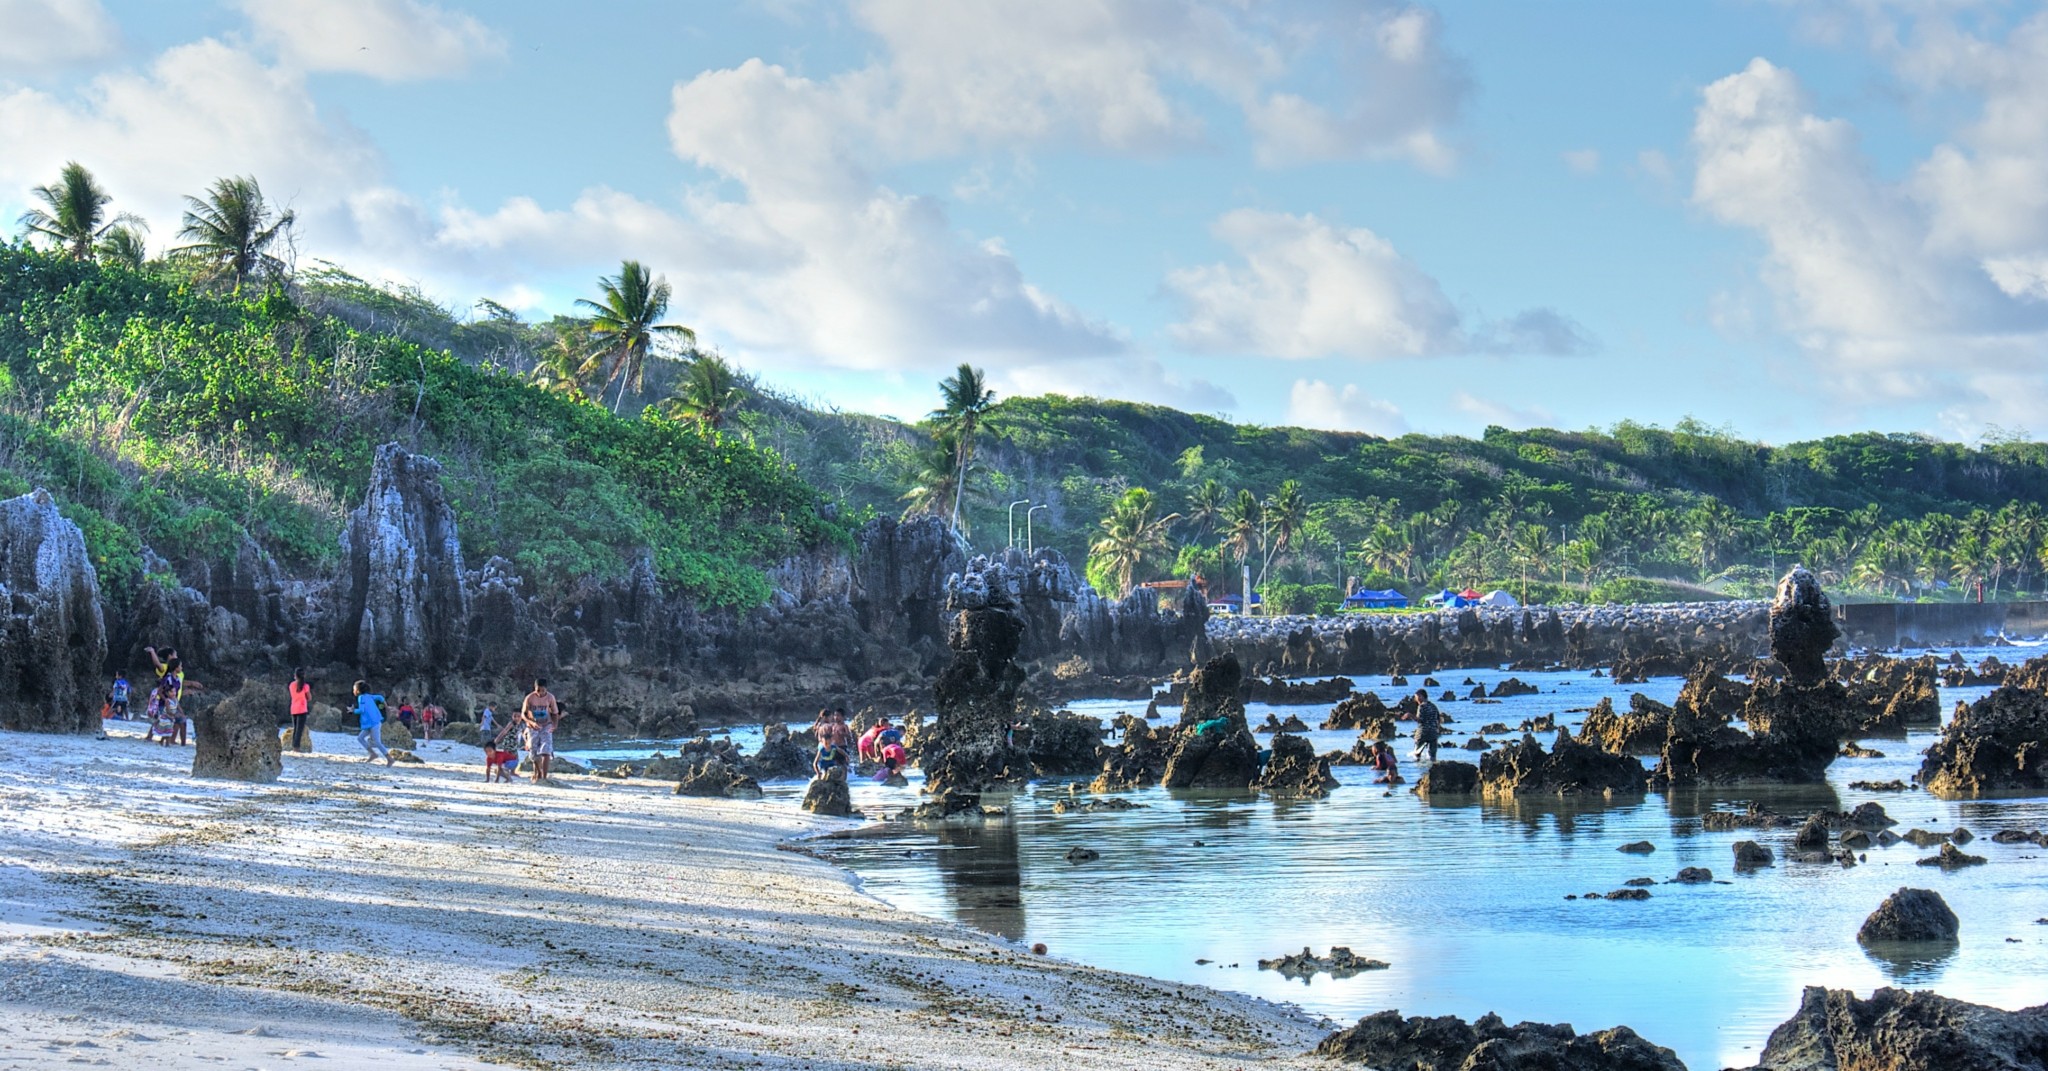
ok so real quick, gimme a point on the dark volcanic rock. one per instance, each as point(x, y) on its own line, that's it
point(1641, 731)
point(1910, 915)
point(1795, 734)
point(1694, 875)
point(52, 637)
point(1898, 1030)
point(1062, 744)
point(968, 750)
point(1952, 858)
point(1387, 1042)
point(236, 738)
point(1223, 756)
point(402, 608)
point(1365, 713)
point(1802, 628)
point(1448, 778)
point(714, 777)
point(1513, 686)
point(1340, 963)
point(1295, 771)
point(1749, 854)
point(1137, 759)
point(827, 795)
point(1999, 744)
point(1569, 768)
point(782, 755)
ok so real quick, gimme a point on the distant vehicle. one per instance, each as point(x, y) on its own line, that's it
point(1230, 604)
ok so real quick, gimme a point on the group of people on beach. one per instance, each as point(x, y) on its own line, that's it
point(881, 744)
point(164, 709)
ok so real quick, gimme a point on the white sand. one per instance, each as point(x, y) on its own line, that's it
point(414, 917)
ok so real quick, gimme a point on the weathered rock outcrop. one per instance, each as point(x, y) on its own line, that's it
point(1834, 1030)
point(1061, 744)
point(52, 636)
point(1340, 963)
point(783, 754)
point(1213, 747)
point(1387, 1042)
point(1795, 734)
point(714, 777)
point(236, 738)
point(827, 796)
point(1448, 778)
point(969, 750)
point(1999, 744)
point(1364, 712)
point(1138, 758)
point(1802, 628)
point(1295, 771)
point(1910, 915)
point(402, 608)
point(1641, 731)
point(1568, 769)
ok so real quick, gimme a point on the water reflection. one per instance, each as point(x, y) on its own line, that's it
point(978, 865)
point(1912, 962)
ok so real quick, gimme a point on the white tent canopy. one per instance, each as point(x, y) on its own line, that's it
point(1498, 598)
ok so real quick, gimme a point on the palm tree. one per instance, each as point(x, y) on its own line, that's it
point(964, 399)
point(936, 485)
point(1244, 532)
point(1386, 549)
point(1130, 534)
point(1286, 512)
point(74, 215)
point(233, 229)
point(709, 392)
point(1207, 505)
point(1531, 548)
point(623, 325)
point(124, 245)
point(558, 368)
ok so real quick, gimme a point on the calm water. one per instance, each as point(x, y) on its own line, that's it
point(1468, 903)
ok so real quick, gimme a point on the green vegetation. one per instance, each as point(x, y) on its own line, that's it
point(186, 403)
point(167, 414)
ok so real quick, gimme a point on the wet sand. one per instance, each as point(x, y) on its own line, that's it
point(414, 917)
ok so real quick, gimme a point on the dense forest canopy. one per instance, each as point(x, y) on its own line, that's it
point(216, 391)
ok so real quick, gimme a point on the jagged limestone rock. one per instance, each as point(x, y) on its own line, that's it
point(52, 637)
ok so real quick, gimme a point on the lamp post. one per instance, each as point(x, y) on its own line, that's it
point(1013, 519)
point(1030, 546)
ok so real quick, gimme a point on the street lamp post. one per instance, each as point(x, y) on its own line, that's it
point(1013, 519)
point(1029, 545)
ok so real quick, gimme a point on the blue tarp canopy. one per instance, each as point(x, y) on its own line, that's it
point(1368, 599)
point(1452, 600)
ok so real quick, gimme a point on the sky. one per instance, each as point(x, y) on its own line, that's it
point(1789, 218)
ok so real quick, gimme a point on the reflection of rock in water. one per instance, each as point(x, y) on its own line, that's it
point(978, 865)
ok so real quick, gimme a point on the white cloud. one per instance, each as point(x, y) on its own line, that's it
point(1874, 280)
point(200, 111)
point(1582, 161)
point(40, 35)
point(1404, 89)
point(391, 40)
point(1655, 164)
point(1501, 413)
point(1313, 403)
point(1303, 288)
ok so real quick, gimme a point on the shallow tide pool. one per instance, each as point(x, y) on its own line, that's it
point(1467, 903)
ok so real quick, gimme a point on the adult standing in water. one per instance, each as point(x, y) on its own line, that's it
point(539, 714)
point(302, 706)
point(370, 724)
point(1429, 724)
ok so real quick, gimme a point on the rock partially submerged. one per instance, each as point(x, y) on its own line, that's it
point(1387, 1042)
point(1910, 915)
point(1364, 712)
point(1137, 759)
point(828, 796)
point(715, 777)
point(1340, 963)
point(1834, 1030)
point(1568, 769)
point(1213, 747)
point(1951, 857)
point(1641, 731)
point(1295, 771)
point(1999, 744)
point(969, 750)
point(1448, 778)
point(52, 636)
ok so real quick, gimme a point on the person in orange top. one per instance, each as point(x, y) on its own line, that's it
point(302, 705)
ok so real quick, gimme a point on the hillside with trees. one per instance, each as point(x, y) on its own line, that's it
point(215, 390)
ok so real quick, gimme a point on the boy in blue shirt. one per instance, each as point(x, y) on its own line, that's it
point(370, 723)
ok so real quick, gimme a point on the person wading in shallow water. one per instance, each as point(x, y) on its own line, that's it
point(539, 715)
point(1429, 724)
point(302, 706)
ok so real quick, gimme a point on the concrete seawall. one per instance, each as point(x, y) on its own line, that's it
point(1939, 623)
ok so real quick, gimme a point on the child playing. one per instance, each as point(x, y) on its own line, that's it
point(498, 760)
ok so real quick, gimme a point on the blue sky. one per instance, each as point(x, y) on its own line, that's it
point(1792, 218)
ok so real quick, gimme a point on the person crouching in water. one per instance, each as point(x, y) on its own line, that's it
point(1386, 769)
point(370, 724)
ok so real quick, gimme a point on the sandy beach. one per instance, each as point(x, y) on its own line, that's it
point(352, 915)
